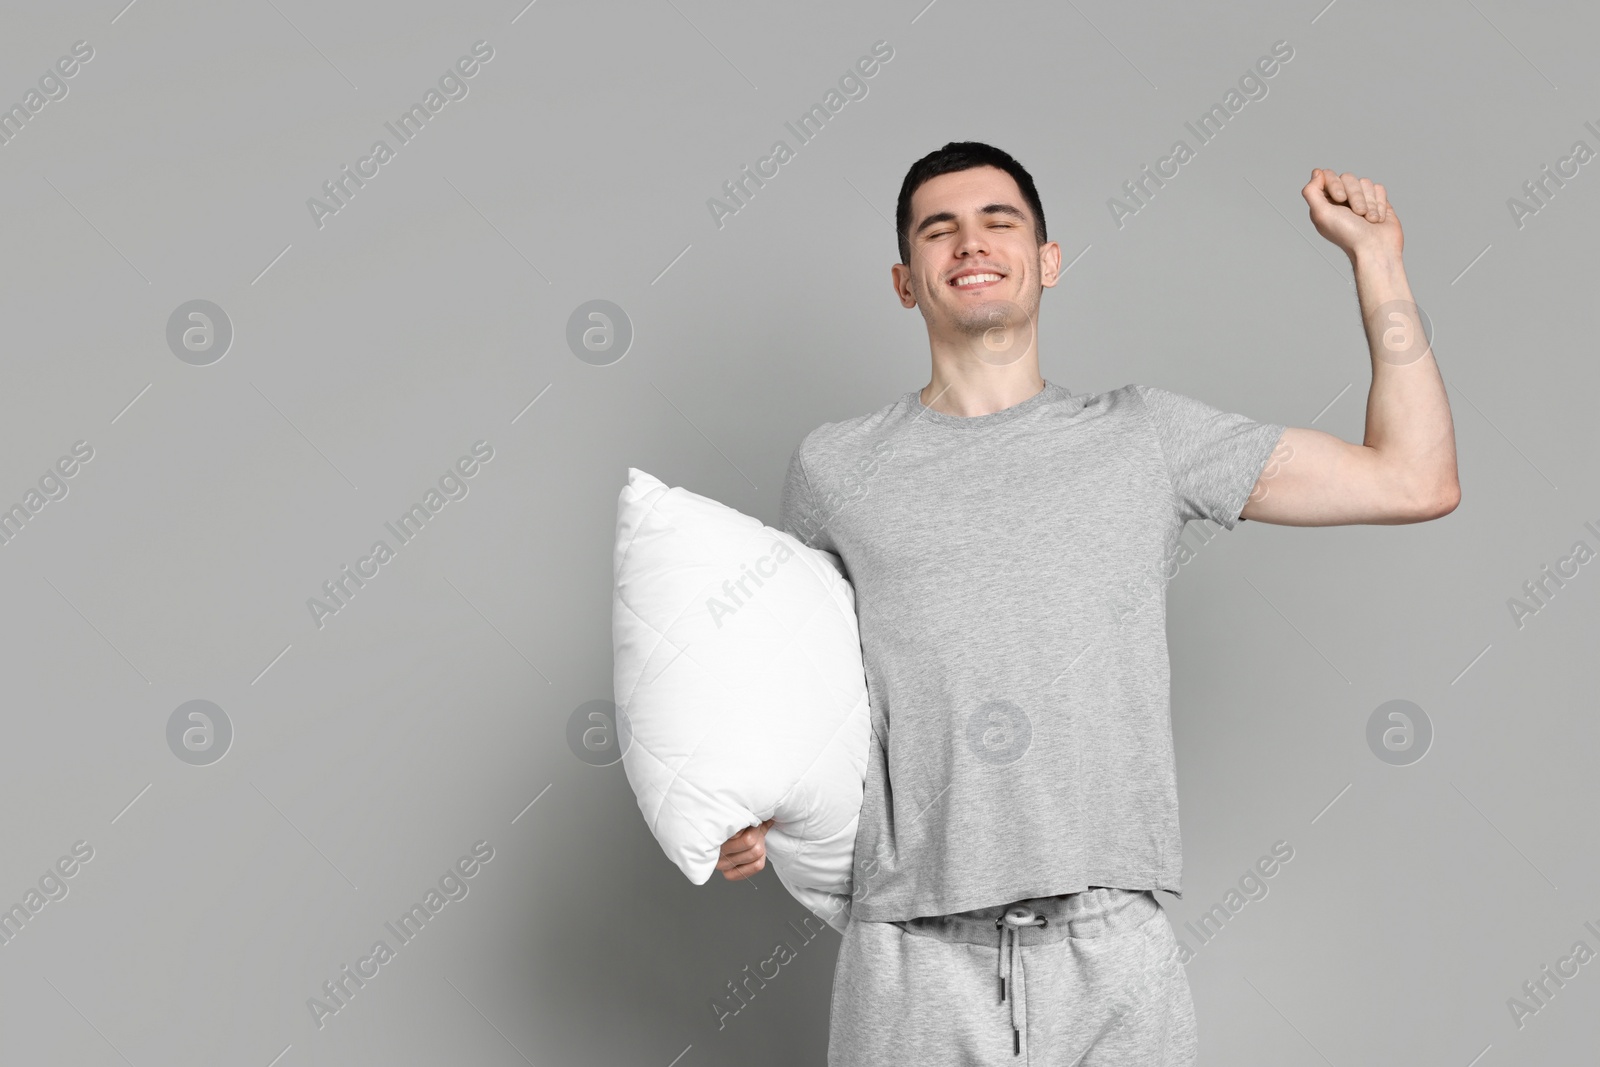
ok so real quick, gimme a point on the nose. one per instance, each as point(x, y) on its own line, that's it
point(974, 241)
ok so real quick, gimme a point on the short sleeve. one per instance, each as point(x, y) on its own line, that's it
point(799, 516)
point(1213, 457)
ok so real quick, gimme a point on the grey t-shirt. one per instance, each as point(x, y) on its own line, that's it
point(1010, 579)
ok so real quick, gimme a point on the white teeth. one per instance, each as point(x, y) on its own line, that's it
point(976, 279)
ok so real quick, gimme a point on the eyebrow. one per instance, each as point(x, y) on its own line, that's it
point(987, 209)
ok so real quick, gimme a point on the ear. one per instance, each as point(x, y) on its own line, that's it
point(1049, 264)
point(900, 278)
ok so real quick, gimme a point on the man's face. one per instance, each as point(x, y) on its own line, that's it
point(966, 228)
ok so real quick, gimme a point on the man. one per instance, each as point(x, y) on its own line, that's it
point(1008, 542)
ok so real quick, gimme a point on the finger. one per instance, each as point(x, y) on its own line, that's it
point(736, 857)
point(1314, 186)
point(731, 863)
point(743, 849)
point(1370, 196)
point(1383, 202)
point(746, 837)
point(1352, 192)
point(1333, 186)
point(746, 845)
point(747, 870)
point(731, 854)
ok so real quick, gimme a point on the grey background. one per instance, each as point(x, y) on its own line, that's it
point(429, 313)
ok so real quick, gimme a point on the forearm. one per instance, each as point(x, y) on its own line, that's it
point(1408, 412)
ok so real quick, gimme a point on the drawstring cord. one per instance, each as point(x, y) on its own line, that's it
point(1010, 925)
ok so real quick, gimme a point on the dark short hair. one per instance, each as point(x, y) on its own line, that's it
point(962, 155)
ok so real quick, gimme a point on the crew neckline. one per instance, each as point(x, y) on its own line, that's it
point(919, 410)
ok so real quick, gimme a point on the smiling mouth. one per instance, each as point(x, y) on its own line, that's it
point(976, 281)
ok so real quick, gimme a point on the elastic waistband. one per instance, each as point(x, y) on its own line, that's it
point(1092, 912)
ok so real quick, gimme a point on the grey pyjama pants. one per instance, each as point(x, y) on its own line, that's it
point(1088, 979)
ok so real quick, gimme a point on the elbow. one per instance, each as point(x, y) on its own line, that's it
point(1438, 503)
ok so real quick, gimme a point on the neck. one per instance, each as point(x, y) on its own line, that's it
point(968, 390)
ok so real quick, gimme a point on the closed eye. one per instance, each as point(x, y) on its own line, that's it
point(992, 225)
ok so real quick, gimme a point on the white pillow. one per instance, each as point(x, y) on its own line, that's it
point(740, 689)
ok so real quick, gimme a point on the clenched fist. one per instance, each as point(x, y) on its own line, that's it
point(745, 853)
point(1354, 213)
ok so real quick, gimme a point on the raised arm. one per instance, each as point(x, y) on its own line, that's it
point(1405, 468)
